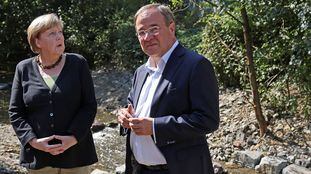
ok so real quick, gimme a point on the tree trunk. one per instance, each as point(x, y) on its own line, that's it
point(252, 73)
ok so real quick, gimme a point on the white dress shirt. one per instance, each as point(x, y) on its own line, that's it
point(143, 147)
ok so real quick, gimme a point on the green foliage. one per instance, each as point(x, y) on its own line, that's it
point(281, 45)
point(102, 30)
point(224, 49)
point(126, 52)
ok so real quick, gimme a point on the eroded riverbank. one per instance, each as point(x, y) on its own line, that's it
point(289, 137)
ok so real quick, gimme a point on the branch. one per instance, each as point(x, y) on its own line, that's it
point(227, 47)
point(270, 80)
point(211, 3)
point(228, 13)
point(183, 9)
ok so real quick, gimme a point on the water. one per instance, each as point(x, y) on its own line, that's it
point(103, 116)
point(110, 148)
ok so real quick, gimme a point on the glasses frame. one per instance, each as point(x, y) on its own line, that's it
point(152, 31)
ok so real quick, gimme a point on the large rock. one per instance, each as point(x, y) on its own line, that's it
point(248, 158)
point(304, 162)
point(271, 165)
point(295, 169)
point(97, 171)
point(120, 169)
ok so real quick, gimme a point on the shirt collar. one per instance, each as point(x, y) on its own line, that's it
point(162, 61)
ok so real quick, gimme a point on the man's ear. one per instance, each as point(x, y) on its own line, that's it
point(172, 27)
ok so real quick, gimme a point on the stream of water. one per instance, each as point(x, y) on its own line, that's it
point(111, 149)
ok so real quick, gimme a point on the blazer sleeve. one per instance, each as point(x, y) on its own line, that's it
point(17, 111)
point(203, 117)
point(82, 122)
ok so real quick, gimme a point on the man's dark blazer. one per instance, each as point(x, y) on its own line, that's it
point(185, 108)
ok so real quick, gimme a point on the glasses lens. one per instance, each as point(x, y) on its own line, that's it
point(141, 34)
point(151, 31)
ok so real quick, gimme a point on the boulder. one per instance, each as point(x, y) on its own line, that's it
point(248, 158)
point(271, 165)
point(97, 171)
point(120, 169)
point(295, 169)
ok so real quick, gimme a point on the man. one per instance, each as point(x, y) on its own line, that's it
point(173, 102)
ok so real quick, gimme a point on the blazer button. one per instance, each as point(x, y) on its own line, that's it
point(51, 114)
point(52, 125)
point(50, 101)
point(170, 142)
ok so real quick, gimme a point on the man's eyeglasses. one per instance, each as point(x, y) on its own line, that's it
point(151, 31)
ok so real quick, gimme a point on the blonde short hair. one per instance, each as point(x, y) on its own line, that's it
point(163, 9)
point(39, 25)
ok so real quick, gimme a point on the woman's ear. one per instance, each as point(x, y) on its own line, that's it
point(37, 42)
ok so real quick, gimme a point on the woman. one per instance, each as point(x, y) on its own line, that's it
point(53, 104)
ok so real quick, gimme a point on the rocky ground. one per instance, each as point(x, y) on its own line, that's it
point(9, 151)
point(287, 137)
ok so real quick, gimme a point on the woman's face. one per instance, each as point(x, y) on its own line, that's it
point(51, 42)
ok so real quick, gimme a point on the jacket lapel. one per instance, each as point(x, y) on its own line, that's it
point(141, 78)
point(170, 68)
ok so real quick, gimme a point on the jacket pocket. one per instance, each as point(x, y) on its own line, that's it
point(191, 152)
point(27, 155)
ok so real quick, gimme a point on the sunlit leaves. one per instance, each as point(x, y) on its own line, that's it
point(282, 47)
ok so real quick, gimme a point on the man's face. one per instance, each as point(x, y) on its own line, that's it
point(154, 36)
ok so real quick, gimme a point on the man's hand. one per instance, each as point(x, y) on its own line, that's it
point(43, 144)
point(141, 126)
point(124, 114)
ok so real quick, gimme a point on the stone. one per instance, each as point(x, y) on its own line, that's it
point(271, 165)
point(96, 126)
point(295, 169)
point(238, 144)
point(218, 169)
point(291, 158)
point(120, 169)
point(303, 162)
point(97, 171)
point(113, 124)
point(248, 158)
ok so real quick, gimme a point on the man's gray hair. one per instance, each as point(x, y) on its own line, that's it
point(163, 9)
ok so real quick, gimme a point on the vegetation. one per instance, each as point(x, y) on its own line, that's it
point(104, 33)
point(281, 49)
